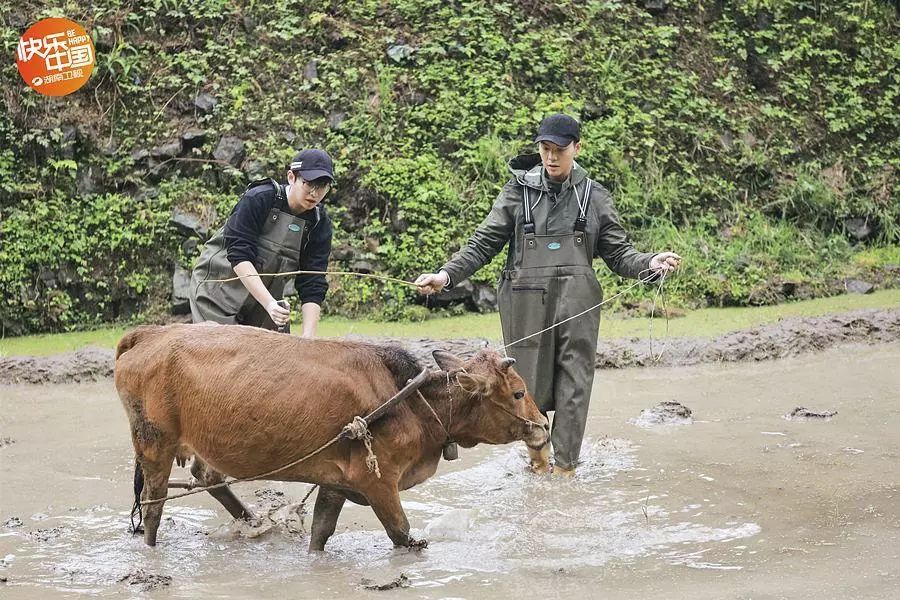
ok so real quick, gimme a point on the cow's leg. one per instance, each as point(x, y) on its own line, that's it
point(385, 501)
point(156, 486)
point(540, 459)
point(205, 475)
point(329, 503)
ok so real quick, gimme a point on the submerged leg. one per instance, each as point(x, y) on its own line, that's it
point(540, 459)
point(156, 486)
point(385, 501)
point(205, 475)
point(329, 503)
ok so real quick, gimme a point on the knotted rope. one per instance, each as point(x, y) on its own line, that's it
point(358, 429)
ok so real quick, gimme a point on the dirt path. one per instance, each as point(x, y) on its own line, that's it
point(788, 337)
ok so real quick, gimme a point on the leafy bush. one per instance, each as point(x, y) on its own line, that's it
point(774, 121)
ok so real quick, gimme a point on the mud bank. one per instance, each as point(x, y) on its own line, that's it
point(788, 337)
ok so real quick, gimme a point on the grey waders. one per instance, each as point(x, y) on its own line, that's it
point(555, 281)
point(278, 251)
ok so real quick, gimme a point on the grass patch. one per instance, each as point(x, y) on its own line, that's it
point(56, 343)
point(700, 323)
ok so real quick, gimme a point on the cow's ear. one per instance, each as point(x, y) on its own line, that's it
point(446, 361)
point(473, 384)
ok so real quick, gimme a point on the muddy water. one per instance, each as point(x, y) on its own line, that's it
point(737, 503)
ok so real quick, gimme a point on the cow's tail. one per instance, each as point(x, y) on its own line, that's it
point(130, 339)
point(136, 507)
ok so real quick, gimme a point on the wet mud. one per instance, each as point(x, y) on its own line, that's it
point(668, 412)
point(786, 338)
point(88, 364)
point(146, 581)
point(401, 582)
point(801, 413)
point(740, 503)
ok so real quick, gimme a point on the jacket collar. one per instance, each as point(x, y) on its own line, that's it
point(528, 171)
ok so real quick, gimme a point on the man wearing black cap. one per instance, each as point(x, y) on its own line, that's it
point(555, 220)
point(272, 229)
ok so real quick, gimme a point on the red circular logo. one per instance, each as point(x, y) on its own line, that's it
point(55, 56)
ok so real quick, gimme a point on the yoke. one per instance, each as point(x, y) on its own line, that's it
point(408, 390)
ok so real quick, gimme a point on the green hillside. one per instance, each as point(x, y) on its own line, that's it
point(759, 139)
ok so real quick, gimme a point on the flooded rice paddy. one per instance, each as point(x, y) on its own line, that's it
point(737, 501)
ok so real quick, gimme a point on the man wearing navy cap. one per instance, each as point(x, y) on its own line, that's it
point(274, 228)
point(555, 220)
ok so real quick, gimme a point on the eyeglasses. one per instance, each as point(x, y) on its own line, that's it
point(316, 188)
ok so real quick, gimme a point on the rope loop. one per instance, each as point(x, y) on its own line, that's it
point(357, 429)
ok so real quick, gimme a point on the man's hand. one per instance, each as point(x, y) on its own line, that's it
point(664, 262)
point(431, 283)
point(279, 314)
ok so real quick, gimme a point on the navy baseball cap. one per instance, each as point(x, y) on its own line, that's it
point(313, 164)
point(560, 129)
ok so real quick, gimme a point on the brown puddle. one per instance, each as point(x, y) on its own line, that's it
point(739, 503)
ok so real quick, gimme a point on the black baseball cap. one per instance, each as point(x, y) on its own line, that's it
point(560, 129)
point(313, 164)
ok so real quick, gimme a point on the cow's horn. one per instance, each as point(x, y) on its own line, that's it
point(507, 362)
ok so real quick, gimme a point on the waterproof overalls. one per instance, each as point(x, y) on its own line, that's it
point(549, 278)
point(278, 251)
point(553, 281)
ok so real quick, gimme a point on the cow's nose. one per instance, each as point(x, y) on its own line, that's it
point(546, 424)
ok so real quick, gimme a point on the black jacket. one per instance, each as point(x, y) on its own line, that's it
point(246, 221)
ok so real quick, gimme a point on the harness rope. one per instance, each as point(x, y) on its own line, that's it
point(444, 427)
point(659, 292)
point(352, 427)
point(358, 428)
point(286, 273)
point(647, 279)
point(529, 422)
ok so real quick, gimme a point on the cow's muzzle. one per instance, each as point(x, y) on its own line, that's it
point(537, 433)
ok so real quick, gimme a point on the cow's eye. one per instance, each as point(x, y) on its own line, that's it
point(519, 395)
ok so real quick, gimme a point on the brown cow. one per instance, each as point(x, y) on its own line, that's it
point(244, 401)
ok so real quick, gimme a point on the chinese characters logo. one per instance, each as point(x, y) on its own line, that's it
point(55, 56)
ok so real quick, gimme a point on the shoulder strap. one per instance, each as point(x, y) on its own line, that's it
point(526, 207)
point(279, 191)
point(583, 203)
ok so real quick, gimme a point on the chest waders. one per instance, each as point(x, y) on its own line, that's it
point(278, 251)
point(555, 281)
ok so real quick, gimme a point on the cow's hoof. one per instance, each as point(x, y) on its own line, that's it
point(417, 544)
point(539, 459)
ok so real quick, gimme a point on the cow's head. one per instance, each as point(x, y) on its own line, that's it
point(495, 407)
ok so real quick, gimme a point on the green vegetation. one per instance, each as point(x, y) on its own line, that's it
point(758, 138)
point(706, 322)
